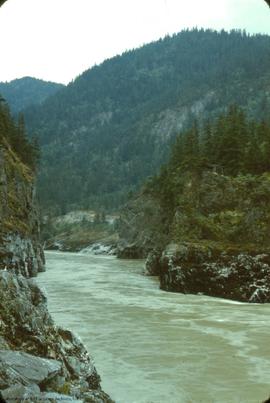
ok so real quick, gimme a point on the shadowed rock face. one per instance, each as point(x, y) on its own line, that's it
point(140, 229)
point(195, 269)
point(20, 250)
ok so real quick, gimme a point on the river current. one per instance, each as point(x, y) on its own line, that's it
point(151, 346)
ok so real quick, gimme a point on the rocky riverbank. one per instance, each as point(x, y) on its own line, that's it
point(38, 360)
point(208, 269)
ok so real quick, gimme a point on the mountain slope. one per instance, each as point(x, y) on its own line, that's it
point(112, 127)
point(21, 93)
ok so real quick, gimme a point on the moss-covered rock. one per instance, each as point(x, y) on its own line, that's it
point(20, 249)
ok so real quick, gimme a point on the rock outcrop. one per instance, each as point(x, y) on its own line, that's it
point(33, 351)
point(199, 269)
point(140, 228)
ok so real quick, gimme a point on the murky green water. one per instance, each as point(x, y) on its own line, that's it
point(150, 346)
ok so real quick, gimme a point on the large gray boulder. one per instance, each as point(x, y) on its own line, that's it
point(20, 393)
point(17, 367)
point(32, 394)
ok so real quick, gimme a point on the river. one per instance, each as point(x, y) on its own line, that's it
point(151, 346)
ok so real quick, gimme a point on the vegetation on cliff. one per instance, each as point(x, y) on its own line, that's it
point(18, 162)
point(13, 135)
point(216, 185)
point(20, 249)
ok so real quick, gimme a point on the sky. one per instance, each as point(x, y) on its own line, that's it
point(56, 40)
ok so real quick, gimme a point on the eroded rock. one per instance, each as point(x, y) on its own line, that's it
point(32, 394)
point(139, 227)
point(20, 393)
point(46, 355)
point(191, 268)
point(17, 367)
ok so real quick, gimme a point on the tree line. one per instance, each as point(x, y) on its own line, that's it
point(231, 144)
point(14, 133)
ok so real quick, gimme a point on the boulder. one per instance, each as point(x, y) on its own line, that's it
point(32, 394)
point(20, 393)
point(17, 367)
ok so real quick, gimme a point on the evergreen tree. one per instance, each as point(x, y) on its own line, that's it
point(15, 135)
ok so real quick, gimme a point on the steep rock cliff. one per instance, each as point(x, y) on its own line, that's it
point(140, 228)
point(20, 249)
point(38, 360)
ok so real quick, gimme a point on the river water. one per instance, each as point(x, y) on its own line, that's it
point(151, 346)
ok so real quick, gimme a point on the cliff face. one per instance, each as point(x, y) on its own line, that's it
point(38, 360)
point(140, 228)
point(20, 250)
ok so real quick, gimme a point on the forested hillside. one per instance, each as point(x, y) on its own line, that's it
point(112, 127)
point(216, 184)
point(22, 92)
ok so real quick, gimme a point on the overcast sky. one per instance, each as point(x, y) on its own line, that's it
point(57, 40)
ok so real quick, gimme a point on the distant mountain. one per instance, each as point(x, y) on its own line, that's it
point(104, 133)
point(22, 92)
